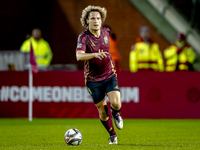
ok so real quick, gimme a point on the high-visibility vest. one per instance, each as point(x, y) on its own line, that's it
point(41, 49)
point(181, 61)
point(145, 56)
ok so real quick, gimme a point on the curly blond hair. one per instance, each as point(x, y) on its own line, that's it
point(88, 9)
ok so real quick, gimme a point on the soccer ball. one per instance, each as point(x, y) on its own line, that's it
point(73, 137)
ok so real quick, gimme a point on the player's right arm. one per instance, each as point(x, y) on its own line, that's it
point(81, 55)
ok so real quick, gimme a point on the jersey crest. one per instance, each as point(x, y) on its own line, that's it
point(106, 39)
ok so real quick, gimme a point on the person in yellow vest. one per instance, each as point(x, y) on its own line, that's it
point(41, 49)
point(145, 54)
point(180, 55)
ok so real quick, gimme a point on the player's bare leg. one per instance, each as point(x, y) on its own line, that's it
point(106, 120)
point(103, 115)
point(115, 103)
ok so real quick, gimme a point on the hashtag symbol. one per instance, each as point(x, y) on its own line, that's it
point(4, 93)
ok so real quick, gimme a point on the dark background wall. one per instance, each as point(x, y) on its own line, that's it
point(60, 24)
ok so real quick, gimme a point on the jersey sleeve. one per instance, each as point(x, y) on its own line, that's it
point(81, 43)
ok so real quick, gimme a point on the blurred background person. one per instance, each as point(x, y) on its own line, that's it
point(113, 49)
point(180, 55)
point(41, 49)
point(145, 54)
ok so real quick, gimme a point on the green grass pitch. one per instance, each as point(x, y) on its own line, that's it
point(139, 134)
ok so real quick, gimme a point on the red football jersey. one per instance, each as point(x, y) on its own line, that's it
point(96, 69)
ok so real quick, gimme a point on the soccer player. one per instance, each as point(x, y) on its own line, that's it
point(99, 72)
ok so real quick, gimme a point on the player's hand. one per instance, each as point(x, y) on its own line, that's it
point(101, 55)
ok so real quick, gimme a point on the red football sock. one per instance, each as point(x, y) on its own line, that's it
point(109, 126)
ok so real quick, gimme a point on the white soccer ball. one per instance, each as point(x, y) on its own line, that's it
point(73, 137)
